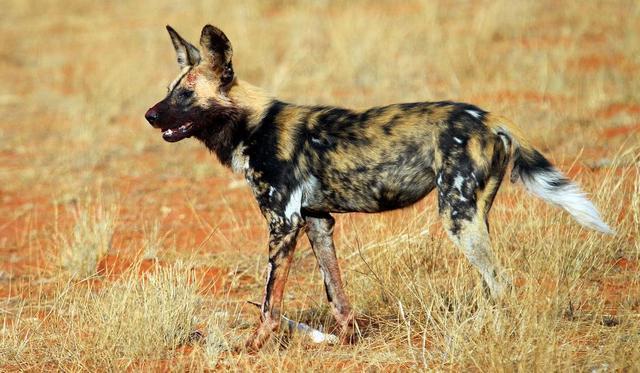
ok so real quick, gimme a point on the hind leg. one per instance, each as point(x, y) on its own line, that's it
point(472, 237)
point(465, 198)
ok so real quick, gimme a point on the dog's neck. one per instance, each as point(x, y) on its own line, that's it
point(249, 105)
point(253, 100)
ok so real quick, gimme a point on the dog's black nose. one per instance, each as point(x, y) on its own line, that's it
point(151, 116)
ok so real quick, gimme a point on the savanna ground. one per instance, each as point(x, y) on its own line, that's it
point(121, 251)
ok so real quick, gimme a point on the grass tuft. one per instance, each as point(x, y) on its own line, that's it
point(89, 240)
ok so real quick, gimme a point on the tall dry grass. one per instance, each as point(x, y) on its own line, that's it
point(90, 240)
point(131, 320)
point(79, 76)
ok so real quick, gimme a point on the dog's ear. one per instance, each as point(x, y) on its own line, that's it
point(217, 51)
point(188, 55)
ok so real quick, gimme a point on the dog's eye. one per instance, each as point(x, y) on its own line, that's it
point(185, 94)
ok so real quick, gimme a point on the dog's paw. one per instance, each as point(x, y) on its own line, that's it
point(350, 334)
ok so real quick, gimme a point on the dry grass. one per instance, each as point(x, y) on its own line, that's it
point(154, 271)
point(131, 320)
point(89, 241)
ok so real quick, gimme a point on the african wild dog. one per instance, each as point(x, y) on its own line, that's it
point(305, 162)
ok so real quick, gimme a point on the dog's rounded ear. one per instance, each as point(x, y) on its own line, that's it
point(187, 54)
point(217, 51)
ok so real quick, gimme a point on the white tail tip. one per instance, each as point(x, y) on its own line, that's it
point(553, 187)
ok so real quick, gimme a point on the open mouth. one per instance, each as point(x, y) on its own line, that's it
point(179, 133)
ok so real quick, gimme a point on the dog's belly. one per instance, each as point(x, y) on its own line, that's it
point(385, 187)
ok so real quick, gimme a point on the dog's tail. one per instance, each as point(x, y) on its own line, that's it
point(541, 178)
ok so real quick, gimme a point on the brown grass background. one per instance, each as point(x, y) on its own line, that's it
point(121, 251)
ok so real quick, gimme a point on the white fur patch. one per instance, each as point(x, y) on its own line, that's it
point(239, 161)
point(567, 196)
point(294, 204)
point(457, 182)
point(473, 113)
point(300, 196)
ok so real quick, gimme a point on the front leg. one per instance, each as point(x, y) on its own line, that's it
point(283, 234)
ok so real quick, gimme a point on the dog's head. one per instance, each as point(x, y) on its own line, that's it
point(198, 97)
